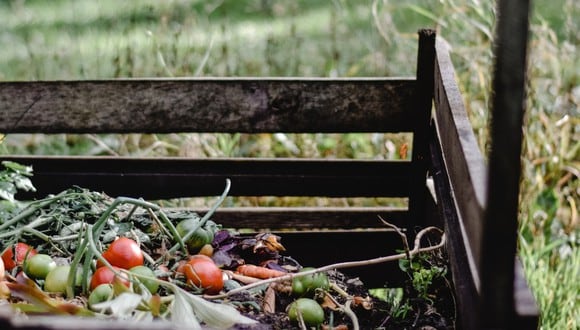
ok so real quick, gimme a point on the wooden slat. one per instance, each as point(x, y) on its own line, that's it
point(465, 276)
point(463, 159)
point(304, 218)
point(207, 105)
point(161, 178)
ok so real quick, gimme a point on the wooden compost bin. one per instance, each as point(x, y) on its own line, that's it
point(429, 107)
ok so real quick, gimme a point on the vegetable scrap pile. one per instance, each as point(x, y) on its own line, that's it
point(84, 253)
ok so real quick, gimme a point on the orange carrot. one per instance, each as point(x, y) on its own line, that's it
point(259, 272)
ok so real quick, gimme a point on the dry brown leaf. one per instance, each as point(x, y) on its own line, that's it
point(328, 302)
point(269, 302)
point(365, 303)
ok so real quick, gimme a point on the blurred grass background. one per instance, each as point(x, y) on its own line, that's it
point(99, 39)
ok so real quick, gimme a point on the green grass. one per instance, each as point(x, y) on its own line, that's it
point(65, 39)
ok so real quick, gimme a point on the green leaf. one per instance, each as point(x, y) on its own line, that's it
point(23, 183)
point(18, 168)
point(14, 177)
point(7, 191)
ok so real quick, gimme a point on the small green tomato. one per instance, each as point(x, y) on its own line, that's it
point(312, 313)
point(200, 237)
point(306, 285)
point(56, 280)
point(103, 292)
point(144, 271)
point(39, 265)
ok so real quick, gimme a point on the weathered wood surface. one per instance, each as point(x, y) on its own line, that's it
point(422, 114)
point(501, 215)
point(463, 159)
point(465, 276)
point(207, 105)
point(309, 218)
point(161, 178)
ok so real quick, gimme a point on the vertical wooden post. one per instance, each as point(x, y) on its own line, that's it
point(501, 217)
point(422, 110)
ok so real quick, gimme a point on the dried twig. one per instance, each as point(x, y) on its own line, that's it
point(401, 234)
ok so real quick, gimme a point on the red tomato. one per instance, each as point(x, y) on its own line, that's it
point(123, 253)
point(15, 255)
point(203, 273)
point(106, 275)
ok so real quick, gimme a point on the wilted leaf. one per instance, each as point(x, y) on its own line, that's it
point(182, 312)
point(122, 306)
point(214, 315)
point(27, 290)
point(7, 191)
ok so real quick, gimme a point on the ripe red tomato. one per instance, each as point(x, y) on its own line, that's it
point(123, 253)
point(203, 273)
point(106, 276)
point(15, 255)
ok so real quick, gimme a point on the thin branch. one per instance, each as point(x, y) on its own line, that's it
point(401, 234)
point(348, 264)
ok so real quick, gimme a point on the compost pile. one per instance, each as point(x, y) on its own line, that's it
point(86, 254)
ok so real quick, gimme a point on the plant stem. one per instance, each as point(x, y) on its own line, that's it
point(201, 222)
point(30, 210)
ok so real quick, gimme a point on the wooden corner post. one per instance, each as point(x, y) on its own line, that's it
point(422, 116)
point(498, 306)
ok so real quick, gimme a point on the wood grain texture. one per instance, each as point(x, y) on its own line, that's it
point(309, 218)
point(463, 159)
point(207, 105)
point(465, 274)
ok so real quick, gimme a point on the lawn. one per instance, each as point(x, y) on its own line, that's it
point(66, 39)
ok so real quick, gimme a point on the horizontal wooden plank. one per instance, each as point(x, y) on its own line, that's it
point(308, 218)
point(463, 159)
point(245, 105)
point(163, 178)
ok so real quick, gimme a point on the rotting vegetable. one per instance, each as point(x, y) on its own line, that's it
point(15, 255)
point(202, 272)
point(128, 252)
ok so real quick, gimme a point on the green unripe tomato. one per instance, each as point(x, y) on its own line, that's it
point(307, 285)
point(312, 313)
point(56, 280)
point(39, 265)
point(145, 271)
point(200, 237)
point(103, 292)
